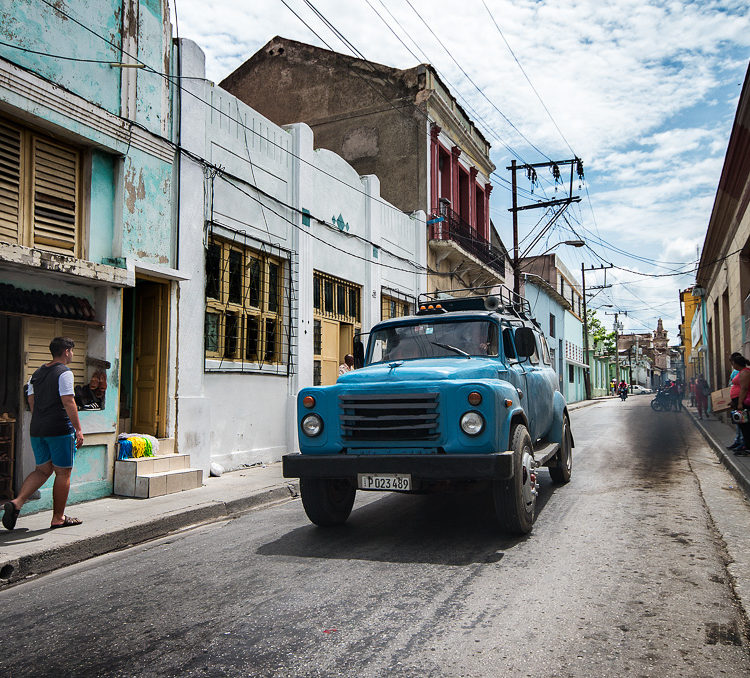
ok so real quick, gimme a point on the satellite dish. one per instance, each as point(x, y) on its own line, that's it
point(492, 303)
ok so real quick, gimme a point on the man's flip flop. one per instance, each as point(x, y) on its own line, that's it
point(67, 522)
point(10, 516)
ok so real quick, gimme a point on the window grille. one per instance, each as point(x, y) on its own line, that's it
point(394, 304)
point(336, 298)
point(249, 305)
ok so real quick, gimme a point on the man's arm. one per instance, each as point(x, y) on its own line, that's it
point(31, 403)
point(69, 403)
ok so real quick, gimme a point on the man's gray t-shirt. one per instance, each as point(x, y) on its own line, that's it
point(49, 417)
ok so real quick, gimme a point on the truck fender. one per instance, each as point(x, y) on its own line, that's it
point(554, 435)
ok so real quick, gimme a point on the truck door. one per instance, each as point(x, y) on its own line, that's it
point(515, 373)
point(540, 389)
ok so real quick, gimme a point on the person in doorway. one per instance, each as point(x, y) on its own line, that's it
point(55, 432)
point(347, 365)
point(740, 396)
point(702, 392)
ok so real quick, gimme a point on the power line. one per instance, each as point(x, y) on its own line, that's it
point(510, 49)
point(469, 78)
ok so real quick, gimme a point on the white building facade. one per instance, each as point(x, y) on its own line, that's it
point(289, 254)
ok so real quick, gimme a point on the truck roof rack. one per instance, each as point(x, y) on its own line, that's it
point(501, 299)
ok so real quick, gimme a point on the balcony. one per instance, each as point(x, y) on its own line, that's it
point(453, 230)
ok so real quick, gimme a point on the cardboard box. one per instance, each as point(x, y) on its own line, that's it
point(720, 400)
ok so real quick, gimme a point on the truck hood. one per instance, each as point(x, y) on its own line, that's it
point(428, 369)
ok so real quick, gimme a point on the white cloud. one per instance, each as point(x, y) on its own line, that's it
point(629, 82)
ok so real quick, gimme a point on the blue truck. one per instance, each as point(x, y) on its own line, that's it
point(463, 393)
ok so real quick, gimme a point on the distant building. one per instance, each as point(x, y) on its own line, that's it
point(568, 312)
point(403, 126)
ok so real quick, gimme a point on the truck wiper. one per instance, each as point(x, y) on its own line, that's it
point(450, 348)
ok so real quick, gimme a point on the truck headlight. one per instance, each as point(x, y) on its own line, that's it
point(312, 425)
point(472, 423)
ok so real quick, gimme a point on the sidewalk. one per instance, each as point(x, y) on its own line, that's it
point(115, 523)
point(718, 435)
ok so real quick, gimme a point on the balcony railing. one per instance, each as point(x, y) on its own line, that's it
point(452, 227)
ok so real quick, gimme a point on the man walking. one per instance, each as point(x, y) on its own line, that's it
point(55, 433)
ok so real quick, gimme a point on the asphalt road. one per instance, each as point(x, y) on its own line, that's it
point(623, 575)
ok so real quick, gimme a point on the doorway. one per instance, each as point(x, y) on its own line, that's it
point(143, 396)
point(11, 371)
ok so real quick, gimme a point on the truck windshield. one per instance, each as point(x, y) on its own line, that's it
point(438, 339)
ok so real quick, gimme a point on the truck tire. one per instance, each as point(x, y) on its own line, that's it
point(515, 499)
point(327, 502)
point(561, 471)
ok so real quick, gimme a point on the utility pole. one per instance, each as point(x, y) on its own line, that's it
point(575, 163)
point(587, 375)
point(617, 341)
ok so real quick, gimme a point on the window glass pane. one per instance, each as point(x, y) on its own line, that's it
point(509, 349)
point(273, 287)
point(317, 338)
point(231, 327)
point(316, 293)
point(354, 303)
point(235, 277)
point(211, 332)
point(316, 373)
point(270, 353)
point(340, 300)
point(251, 338)
point(253, 274)
point(213, 270)
point(328, 296)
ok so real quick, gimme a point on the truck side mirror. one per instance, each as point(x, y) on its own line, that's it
point(525, 342)
point(359, 353)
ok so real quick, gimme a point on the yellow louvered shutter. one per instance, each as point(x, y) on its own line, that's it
point(55, 197)
point(38, 332)
point(10, 183)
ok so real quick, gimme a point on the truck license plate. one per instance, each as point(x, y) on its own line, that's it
point(384, 481)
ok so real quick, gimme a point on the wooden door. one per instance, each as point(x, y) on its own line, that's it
point(329, 352)
point(149, 382)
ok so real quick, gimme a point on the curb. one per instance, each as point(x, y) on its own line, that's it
point(726, 459)
point(15, 570)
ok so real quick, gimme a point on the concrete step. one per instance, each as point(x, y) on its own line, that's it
point(158, 484)
point(128, 473)
point(167, 446)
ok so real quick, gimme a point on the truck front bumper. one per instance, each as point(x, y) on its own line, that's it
point(421, 467)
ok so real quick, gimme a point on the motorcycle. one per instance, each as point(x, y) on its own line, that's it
point(663, 402)
point(623, 394)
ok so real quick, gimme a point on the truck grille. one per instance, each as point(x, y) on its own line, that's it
point(402, 416)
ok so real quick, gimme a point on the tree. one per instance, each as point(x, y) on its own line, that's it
point(599, 334)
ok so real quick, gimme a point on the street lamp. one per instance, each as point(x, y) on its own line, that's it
point(570, 243)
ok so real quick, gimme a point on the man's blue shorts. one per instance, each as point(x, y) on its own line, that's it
point(57, 449)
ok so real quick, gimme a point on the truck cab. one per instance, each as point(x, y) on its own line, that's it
point(463, 392)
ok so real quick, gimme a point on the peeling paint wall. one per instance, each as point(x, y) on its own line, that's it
point(147, 209)
point(33, 25)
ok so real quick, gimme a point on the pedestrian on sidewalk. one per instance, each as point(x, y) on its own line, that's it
point(702, 391)
point(691, 387)
point(739, 440)
point(55, 432)
point(740, 397)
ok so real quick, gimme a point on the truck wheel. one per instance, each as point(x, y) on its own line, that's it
point(562, 470)
point(327, 502)
point(515, 499)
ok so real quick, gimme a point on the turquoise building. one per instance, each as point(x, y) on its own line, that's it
point(88, 232)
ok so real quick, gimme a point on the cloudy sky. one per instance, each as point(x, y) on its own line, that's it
point(645, 93)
